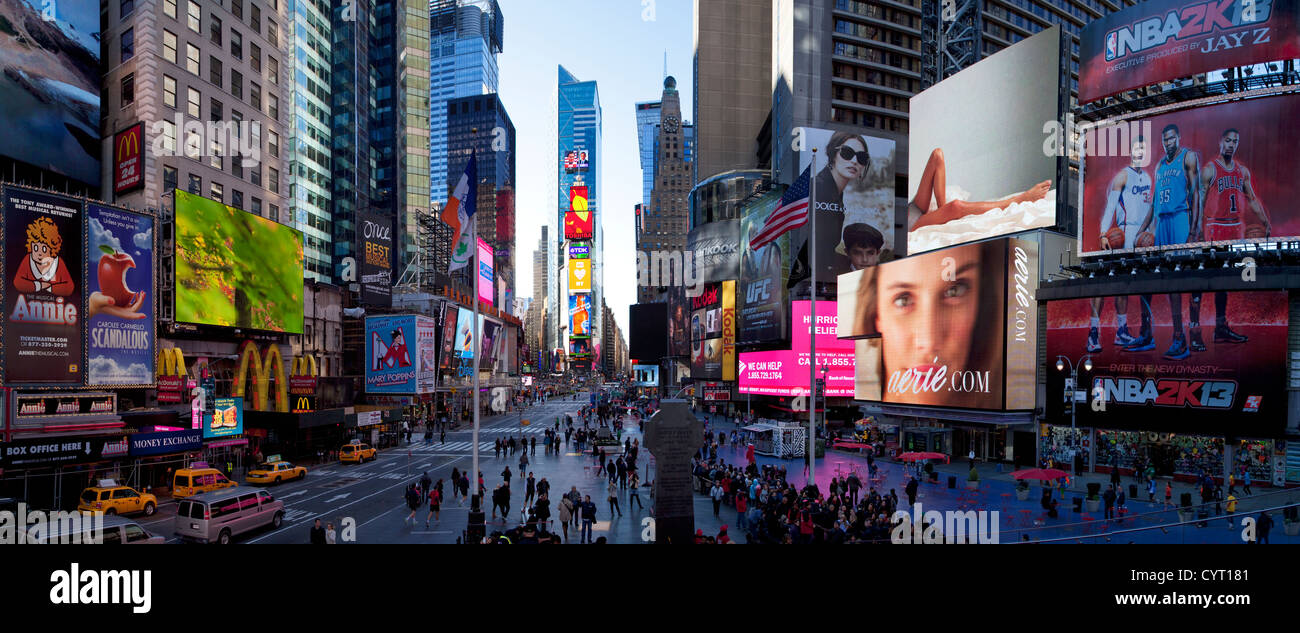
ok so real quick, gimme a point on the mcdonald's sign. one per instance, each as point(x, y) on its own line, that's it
point(128, 159)
point(171, 375)
point(304, 404)
point(302, 379)
point(264, 368)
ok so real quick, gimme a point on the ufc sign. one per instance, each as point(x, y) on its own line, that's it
point(758, 291)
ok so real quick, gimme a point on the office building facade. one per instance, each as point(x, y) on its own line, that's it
point(578, 131)
point(465, 39)
point(307, 76)
point(471, 125)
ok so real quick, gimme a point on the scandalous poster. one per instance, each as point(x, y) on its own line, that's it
point(120, 313)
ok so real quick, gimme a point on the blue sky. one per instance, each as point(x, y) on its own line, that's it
point(620, 44)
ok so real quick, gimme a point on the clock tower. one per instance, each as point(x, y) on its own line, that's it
point(664, 224)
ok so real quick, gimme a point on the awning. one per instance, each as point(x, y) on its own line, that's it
point(991, 418)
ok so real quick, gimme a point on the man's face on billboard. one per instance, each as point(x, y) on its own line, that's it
point(863, 257)
point(1170, 139)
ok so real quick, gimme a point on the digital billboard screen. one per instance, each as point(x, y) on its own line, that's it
point(856, 202)
point(578, 220)
point(120, 320)
point(391, 348)
point(763, 296)
point(953, 328)
point(1194, 177)
point(490, 349)
point(1227, 376)
point(450, 353)
point(485, 272)
point(651, 318)
point(645, 375)
point(786, 372)
point(580, 250)
point(128, 159)
point(971, 182)
point(236, 269)
point(580, 315)
point(1160, 40)
point(580, 275)
point(44, 297)
point(51, 85)
point(575, 160)
point(375, 264)
point(716, 248)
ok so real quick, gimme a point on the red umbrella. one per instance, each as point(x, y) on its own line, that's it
point(916, 457)
point(1039, 473)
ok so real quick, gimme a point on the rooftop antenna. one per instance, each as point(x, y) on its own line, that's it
point(665, 63)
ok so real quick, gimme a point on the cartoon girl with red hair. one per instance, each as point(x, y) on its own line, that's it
point(42, 270)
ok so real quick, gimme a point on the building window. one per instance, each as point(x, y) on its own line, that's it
point(272, 33)
point(214, 110)
point(255, 95)
point(192, 59)
point(196, 185)
point(275, 213)
point(169, 91)
point(237, 9)
point(128, 44)
point(194, 144)
point(128, 89)
point(215, 71)
point(192, 99)
point(255, 174)
point(236, 84)
point(169, 46)
point(273, 106)
point(236, 44)
point(272, 70)
point(273, 144)
point(273, 179)
point(255, 17)
point(237, 199)
point(255, 57)
point(169, 178)
point(193, 16)
point(169, 8)
point(256, 207)
point(214, 29)
point(216, 192)
point(169, 136)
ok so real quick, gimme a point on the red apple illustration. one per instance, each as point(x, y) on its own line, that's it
point(112, 276)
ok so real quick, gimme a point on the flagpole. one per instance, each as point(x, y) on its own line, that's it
point(476, 345)
point(812, 330)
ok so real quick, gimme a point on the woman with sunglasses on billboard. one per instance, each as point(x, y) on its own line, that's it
point(848, 162)
point(940, 320)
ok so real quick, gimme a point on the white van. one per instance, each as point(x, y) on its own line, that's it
point(219, 516)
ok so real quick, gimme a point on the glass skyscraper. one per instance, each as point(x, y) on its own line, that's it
point(578, 119)
point(647, 132)
point(352, 104)
point(308, 145)
point(465, 39)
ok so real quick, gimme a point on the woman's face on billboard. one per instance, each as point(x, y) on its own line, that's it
point(926, 314)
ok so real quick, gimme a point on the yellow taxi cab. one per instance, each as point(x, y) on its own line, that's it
point(356, 452)
point(274, 471)
point(110, 498)
point(197, 479)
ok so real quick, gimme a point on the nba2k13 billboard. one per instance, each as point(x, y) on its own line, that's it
point(1160, 40)
point(1210, 362)
point(1209, 175)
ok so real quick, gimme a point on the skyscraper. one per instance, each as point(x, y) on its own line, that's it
point(578, 144)
point(465, 39)
point(352, 183)
point(471, 131)
point(733, 83)
point(307, 75)
point(664, 223)
point(647, 123)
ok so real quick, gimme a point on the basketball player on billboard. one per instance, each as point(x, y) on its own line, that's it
point(1225, 189)
point(1128, 201)
point(1177, 200)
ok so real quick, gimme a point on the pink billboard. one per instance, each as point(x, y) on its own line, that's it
point(485, 272)
point(785, 372)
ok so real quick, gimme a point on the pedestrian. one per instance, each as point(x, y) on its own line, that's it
point(613, 500)
point(1262, 526)
point(622, 472)
point(424, 483)
point(442, 436)
point(317, 534)
point(530, 488)
point(740, 511)
point(634, 494)
point(413, 498)
point(455, 483)
point(1169, 494)
point(566, 515)
point(435, 504)
point(523, 462)
point(716, 493)
point(1109, 498)
point(1232, 484)
point(1151, 490)
point(1232, 509)
point(533, 444)
point(588, 517)
point(576, 498)
point(910, 490)
point(1245, 480)
point(330, 535)
point(505, 474)
point(496, 448)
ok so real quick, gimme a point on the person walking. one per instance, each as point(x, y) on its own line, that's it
point(330, 534)
point(413, 499)
point(588, 517)
point(716, 493)
point(622, 472)
point(435, 505)
point(425, 482)
point(910, 489)
point(1232, 509)
point(741, 508)
point(506, 474)
point(1262, 527)
point(613, 500)
point(1169, 494)
point(566, 515)
point(496, 448)
point(1232, 484)
point(523, 462)
point(1151, 490)
point(532, 443)
point(317, 534)
point(1245, 480)
point(455, 484)
point(1109, 501)
point(530, 489)
point(634, 493)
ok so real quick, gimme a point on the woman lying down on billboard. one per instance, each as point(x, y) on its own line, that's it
point(951, 219)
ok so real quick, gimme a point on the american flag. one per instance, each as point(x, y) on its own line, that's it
point(791, 213)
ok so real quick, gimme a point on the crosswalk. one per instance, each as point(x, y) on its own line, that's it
point(449, 447)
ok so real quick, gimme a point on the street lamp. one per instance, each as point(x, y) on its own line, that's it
point(1062, 362)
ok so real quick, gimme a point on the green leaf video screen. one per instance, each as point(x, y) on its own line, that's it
point(236, 269)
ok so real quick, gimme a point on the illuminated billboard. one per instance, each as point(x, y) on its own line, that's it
point(51, 84)
point(575, 160)
point(580, 315)
point(762, 289)
point(120, 322)
point(578, 220)
point(391, 351)
point(952, 328)
point(580, 275)
point(970, 182)
point(1160, 40)
point(128, 159)
point(786, 372)
point(1194, 177)
point(1227, 376)
point(580, 250)
point(485, 272)
point(236, 269)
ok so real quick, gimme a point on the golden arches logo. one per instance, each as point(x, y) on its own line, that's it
point(272, 362)
point(305, 366)
point(128, 144)
point(171, 362)
point(303, 404)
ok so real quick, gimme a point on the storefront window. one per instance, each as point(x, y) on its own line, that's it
point(1165, 453)
point(1061, 444)
point(1254, 456)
